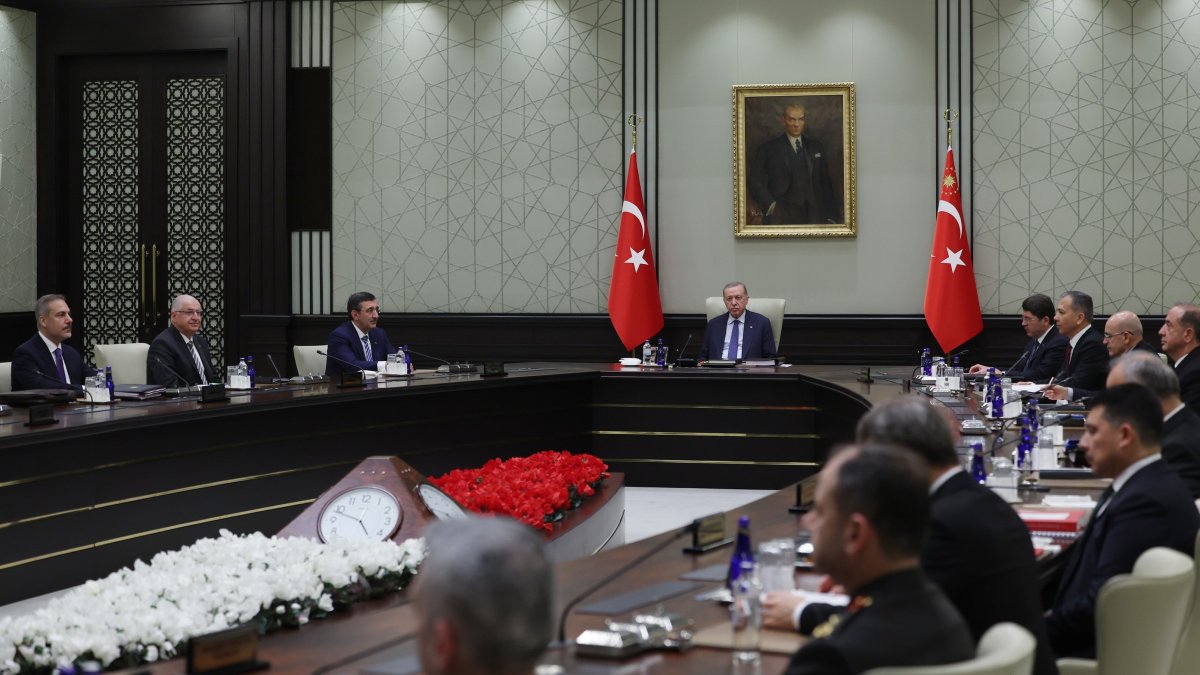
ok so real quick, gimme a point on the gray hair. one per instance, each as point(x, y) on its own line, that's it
point(491, 580)
point(911, 422)
point(177, 303)
point(1148, 370)
point(733, 284)
point(42, 306)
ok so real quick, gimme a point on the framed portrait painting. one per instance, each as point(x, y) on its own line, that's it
point(793, 160)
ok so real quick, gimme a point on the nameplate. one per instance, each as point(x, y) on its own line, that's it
point(351, 379)
point(225, 652)
point(494, 369)
point(41, 414)
point(708, 533)
point(213, 393)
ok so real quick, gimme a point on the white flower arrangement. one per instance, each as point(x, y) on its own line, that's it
point(148, 612)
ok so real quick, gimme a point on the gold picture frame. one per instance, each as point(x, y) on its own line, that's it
point(766, 167)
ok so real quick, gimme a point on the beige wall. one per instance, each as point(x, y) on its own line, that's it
point(886, 49)
point(18, 186)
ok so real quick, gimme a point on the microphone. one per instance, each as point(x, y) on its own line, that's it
point(463, 367)
point(58, 384)
point(1019, 359)
point(184, 390)
point(679, 356)
point(667, 541)
point(344, 362)
point(278, 376)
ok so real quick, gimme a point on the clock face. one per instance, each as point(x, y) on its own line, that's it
point(439, 502)
point(360, 513)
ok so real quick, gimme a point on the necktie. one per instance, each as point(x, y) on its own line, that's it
point(734, 337)
point(798, 146)
point(58, 362)
point(196, 359)
point(367, 348)
point(1067, 358)
point(1103, 501)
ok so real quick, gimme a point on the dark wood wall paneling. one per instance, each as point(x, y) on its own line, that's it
point(309, 125)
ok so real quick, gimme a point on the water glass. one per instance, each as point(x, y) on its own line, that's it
point(777, 564)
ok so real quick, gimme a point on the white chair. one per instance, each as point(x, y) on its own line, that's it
point(1187, 657)
point(5, 377)
point(772, 308)
point(308, 361)
point(128, 361)
point(1005, 649)
point(1140, 617)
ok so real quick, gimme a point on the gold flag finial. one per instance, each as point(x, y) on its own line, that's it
point(633, 121)
point(949, 115)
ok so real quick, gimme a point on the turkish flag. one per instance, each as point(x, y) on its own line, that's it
point(633, 302)
point(951, 301)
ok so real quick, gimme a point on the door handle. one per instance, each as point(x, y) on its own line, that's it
point(154, 281)
point(143, 267)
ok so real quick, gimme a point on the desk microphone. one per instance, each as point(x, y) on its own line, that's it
point(344, 362)
point(184, 390)
point(463, 367)
point(679, 356)
point(58, 384)
point(1019, 359)
point(278, 376)
point(667, 541)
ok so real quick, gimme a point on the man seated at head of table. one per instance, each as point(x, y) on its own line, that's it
point(1147, 505)
point(1122, 334)
point(46, 361)
point(868, 522)
point(1181, 425)
point(1180, 335)
point(484, 597)
point(358, 343)
point(1043, 353)
point(179, 356)
point(978, 550)
point(738, 333)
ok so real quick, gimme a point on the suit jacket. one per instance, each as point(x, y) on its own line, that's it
point(758, 340)
point(33, 366)
point(1181, 448)
point(798, 184)
point(345, 345)
point(1088, 367)
point(1152, 509)
point(1078, 394)
point(170, 364)
point(1189, 380)
point(1041, 361)
point(908, 623)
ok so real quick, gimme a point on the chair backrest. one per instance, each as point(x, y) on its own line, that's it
point(128, 361)
point(1005, 649)
point(5, 377)
point(308, 361)
point(1187, 657)
point(1140, 616)
point(772, 308)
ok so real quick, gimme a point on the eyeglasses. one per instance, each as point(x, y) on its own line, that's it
point(189, 312)
point(1109, 336)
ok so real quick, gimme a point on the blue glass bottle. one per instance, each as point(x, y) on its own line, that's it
point(660, 359)
point(250, 370)
point(997, 394)
point(926, 362)
point(978, 472)
point(408, 365)
point(108, 382)
point(743, 554)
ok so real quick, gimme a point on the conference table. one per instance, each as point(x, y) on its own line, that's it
point(108, 484)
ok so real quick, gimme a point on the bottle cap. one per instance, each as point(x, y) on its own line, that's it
point(743, 521)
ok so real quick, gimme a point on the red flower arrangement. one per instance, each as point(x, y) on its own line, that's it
point(537, 490)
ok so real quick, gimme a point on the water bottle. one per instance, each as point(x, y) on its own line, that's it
point(1024, 446)
point(926, 362)
point(997, 393)
point(660, 359)
point(108, 383)
point(978, 472)
point(649, 354)
point(745, 614)
point(1046, 456)
point(743, 553)
point(241, 374)
point(956, 370)
point(250, 370)
point(407, 359)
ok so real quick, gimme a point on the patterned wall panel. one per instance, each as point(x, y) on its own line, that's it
point(1086, 148)
point(18, 161)
point(196, 200)
point(477, 153)
point(111, 275)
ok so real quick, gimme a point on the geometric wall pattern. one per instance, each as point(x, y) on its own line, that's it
point(18, 181)
point(477, 153)
point(1087, 136)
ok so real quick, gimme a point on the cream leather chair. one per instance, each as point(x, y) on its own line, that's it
point(308, 361)
point(1005, 649)
point(5, 377)
point(772, 308)
point(1187, 657)
point(128, 361)
point(1140, 617)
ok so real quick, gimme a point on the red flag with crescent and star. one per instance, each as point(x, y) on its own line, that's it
point(951, 301)
point(633, 302)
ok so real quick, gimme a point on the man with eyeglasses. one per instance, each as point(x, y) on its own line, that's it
point(179, 356)
point(358, 344)
point(1122, 334)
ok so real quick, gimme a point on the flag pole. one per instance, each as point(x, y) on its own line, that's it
point(949, 115)
point(633, 120)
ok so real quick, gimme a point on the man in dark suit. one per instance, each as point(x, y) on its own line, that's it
point(1146, 506)
point(789, 176)
point(179, 356)
point(45, 361)
point(978, 551)
point(1122, 334)
point(1180, 335)
point(868, 522)
point(1181, 425)
point(739, 333)
point(1085, 364)
point(1044, 352)
point(358, 343)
